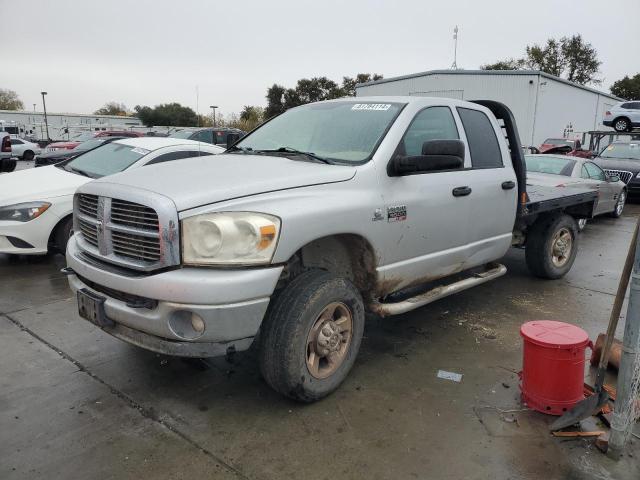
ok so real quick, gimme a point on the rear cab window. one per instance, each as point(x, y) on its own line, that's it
point(481, 137)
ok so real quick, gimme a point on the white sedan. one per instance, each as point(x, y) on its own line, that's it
point(36, 204)
point(24, 149)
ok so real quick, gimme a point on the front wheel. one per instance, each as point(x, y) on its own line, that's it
point(617, 211)
point(552, 244)
point(63, 234)
point(311, 336)
point(28, 155)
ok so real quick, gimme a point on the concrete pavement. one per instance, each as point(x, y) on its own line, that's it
point(76, 403)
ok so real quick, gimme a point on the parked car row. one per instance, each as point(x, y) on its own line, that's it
point(36, 204)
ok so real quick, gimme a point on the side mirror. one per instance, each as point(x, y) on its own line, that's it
point(232, 138)
point(436, 155)
point(613, 178)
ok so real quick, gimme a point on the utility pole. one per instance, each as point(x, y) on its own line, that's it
point(46, 123)
point(628, 384)
point(454, 66)
point(213, 107)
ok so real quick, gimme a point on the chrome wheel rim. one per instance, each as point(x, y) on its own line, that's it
point(621, 125)
point(329, 340)
point(620, 205)
point(561, 247)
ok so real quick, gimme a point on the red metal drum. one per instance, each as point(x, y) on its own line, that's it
point(552, 376)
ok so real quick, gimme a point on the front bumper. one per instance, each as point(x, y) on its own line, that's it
point(231, 303)
point(607, 123)
point(36, 233)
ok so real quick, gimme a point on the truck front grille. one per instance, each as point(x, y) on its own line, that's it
point(125, 232)
point(624, 175)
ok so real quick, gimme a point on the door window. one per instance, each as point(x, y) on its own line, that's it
point(433, 123)
point(483, 143)
point(204, 136)
point(595, 172)
point(584, 173)
point(15, 141)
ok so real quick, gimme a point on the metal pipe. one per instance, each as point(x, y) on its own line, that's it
point(623, 414)
point(46, 122)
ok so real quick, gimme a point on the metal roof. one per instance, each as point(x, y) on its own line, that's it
point(488, 72)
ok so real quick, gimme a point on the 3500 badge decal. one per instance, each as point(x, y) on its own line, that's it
point(397, 213)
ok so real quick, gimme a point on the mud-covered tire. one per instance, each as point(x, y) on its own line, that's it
point(284, 335)
point(63, 233)
point(544, 244)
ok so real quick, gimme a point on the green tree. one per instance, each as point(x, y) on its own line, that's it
point(627, 87)
point(309, 90)
point(167, 114)
point(9, 100)
point(570, 57)
point(113, 108)
point(349, 83)
point(507, 64)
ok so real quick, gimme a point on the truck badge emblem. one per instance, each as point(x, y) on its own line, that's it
point(397, 213)
point(377, 215)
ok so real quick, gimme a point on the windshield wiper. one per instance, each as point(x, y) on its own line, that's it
point(235, 148)
point(298, 152)
point(80, 172)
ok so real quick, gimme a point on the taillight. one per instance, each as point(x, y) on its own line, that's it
point(607, 113)
point(6, 144)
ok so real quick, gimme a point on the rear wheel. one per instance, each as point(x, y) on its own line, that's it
point(311, 336)
point(617, 211)
point(552, 244)
point(622, 124)
point(28, 155)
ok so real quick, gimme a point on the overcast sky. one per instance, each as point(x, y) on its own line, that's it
point(86, 53)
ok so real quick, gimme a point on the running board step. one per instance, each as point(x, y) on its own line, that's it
point(492, 272)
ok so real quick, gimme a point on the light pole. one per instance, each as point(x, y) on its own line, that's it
point(213, 107)
point(46, 123)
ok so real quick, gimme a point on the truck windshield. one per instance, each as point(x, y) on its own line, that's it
point(549, 164)
point(105, 160)
point(344, 132)
point(622, 150)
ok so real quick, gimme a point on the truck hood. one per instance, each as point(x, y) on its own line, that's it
point(550, 180)
point(38, 184)
point(197, 181)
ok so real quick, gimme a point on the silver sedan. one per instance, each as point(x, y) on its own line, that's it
point(566, 171)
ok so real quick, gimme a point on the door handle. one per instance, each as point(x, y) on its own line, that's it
point(508, 185)
point(461, 191)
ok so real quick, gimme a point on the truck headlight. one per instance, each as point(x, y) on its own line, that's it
point(229, 238)
point(23, 212)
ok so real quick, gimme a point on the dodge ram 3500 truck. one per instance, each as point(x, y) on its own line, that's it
point(328, 210)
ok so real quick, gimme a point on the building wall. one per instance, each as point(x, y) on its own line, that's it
point(542, 106)
point(562, 106)
point(58, 121)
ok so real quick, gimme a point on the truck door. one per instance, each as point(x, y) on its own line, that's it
point(494, 191)
point(426, 222)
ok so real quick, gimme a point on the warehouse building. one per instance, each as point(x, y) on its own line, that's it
point(544, 106)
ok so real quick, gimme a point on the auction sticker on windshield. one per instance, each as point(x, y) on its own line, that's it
point(371, 106)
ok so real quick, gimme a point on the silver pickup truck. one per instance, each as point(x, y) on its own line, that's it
point(329, 210)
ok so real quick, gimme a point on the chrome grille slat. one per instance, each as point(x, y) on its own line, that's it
point(624, 175)
point(120, 231)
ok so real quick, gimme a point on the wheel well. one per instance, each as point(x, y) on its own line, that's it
point(347, 255)
point(621, 117)
point(54, 232)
